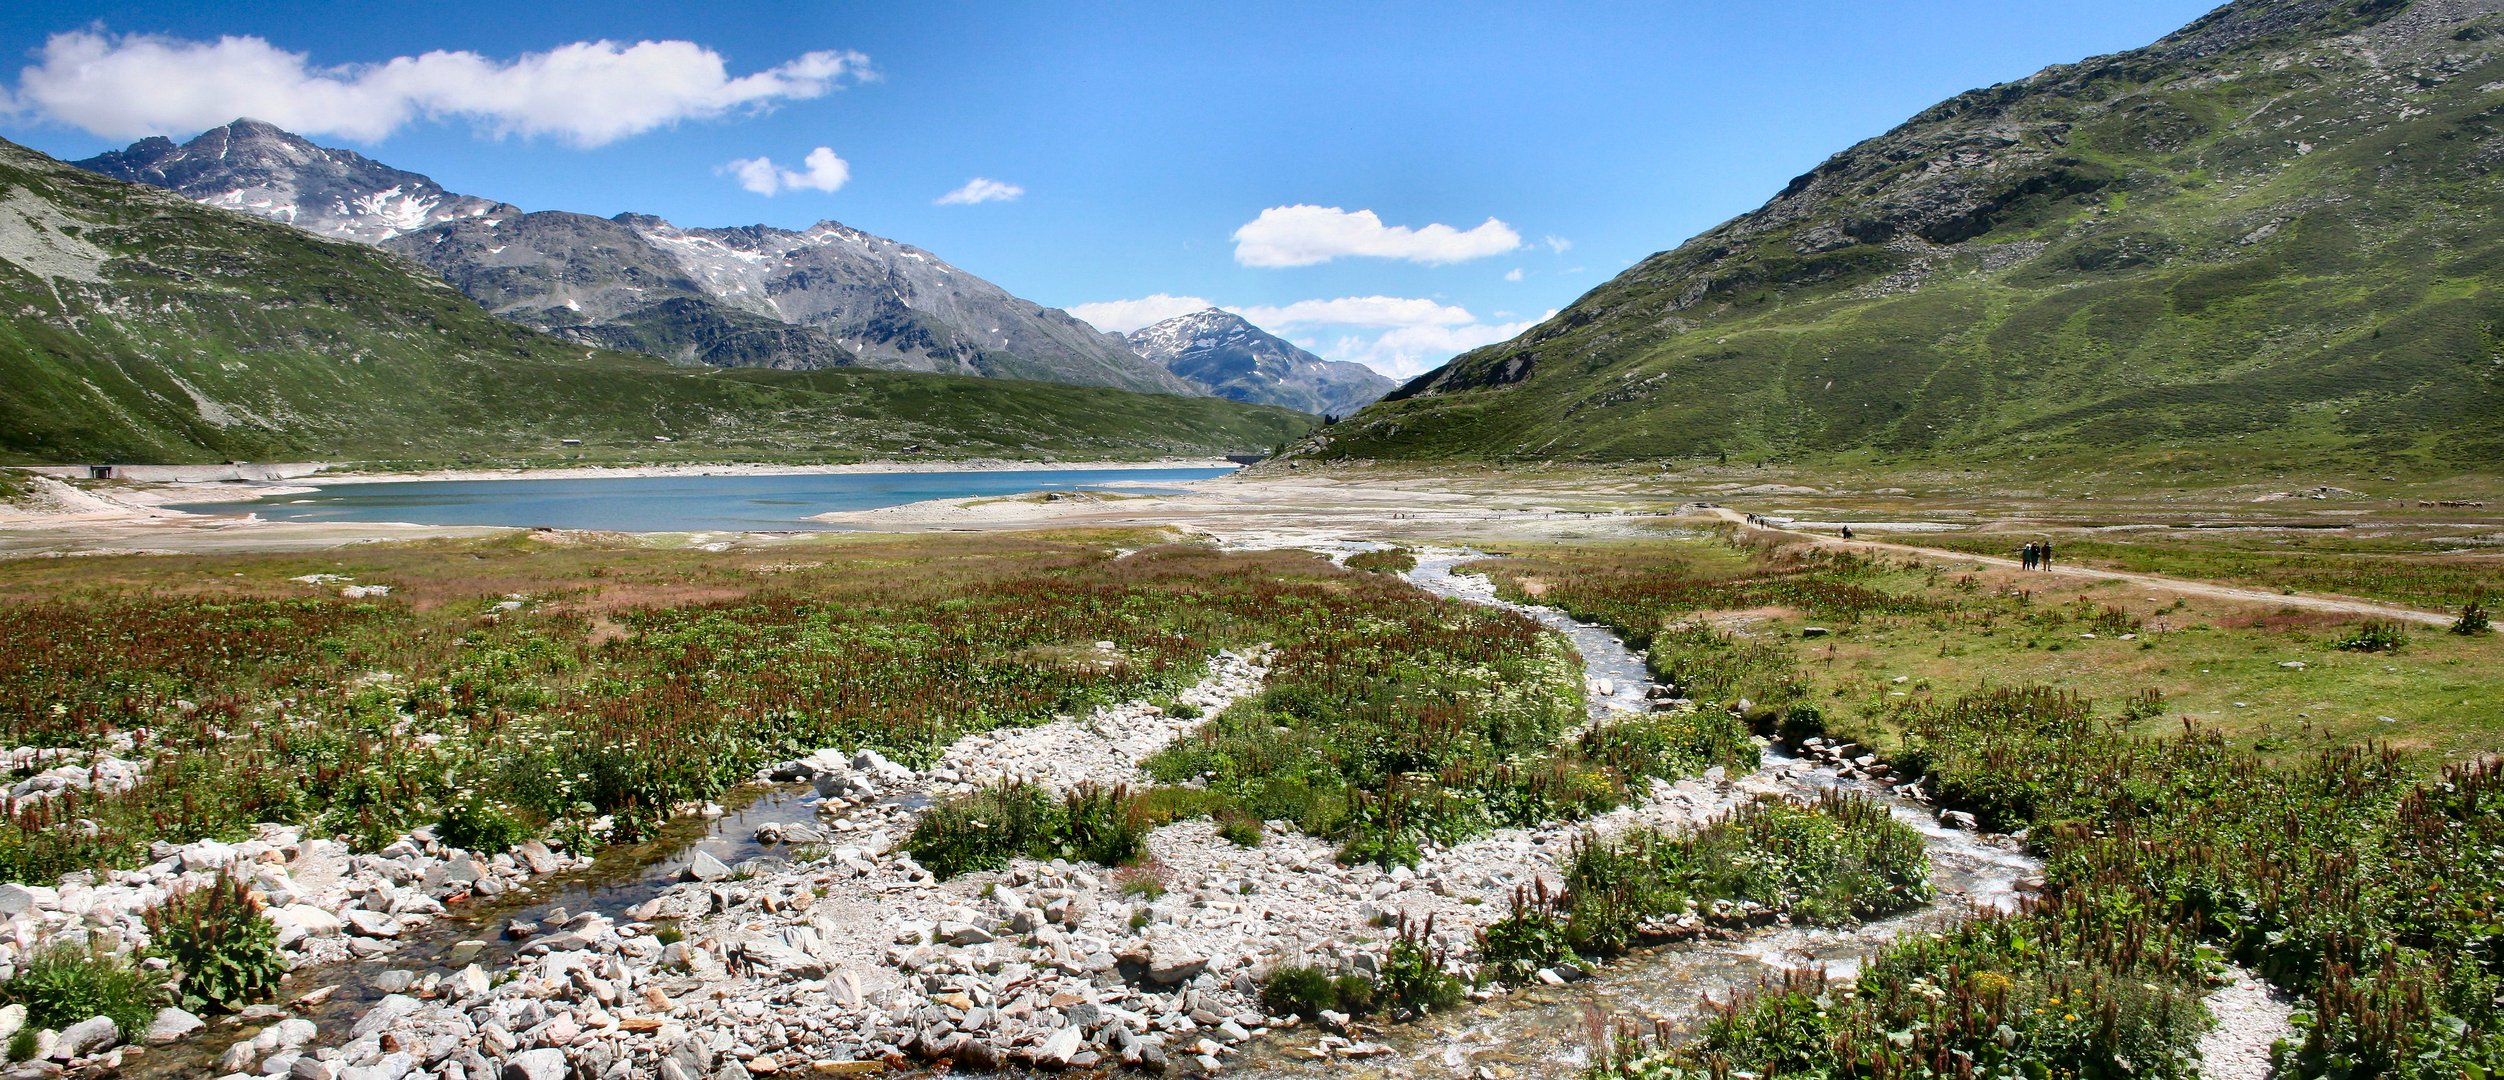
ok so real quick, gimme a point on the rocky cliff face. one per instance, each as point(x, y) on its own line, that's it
point(2254, 237)
point(743, 297)
point(1234, 359)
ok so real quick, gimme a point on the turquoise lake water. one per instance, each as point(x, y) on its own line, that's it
point(671, 503)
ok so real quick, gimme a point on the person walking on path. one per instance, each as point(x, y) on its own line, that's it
point(2043, 556)
point(1847, 532)
point(2026, 556)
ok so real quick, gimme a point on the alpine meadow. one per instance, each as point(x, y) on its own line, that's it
point(616, 543)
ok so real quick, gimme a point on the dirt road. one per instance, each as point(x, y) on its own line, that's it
point(2173, 584)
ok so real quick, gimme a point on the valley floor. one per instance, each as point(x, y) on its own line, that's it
point(572, 687)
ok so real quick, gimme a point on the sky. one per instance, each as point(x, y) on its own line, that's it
point(1391, 183)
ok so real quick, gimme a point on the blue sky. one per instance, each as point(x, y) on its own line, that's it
point(1141, 139)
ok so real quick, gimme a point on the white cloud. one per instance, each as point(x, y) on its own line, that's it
point(1303, 235)
point(1514, 274)
point(1557, 244)
point(1357, 311)
point(586, 93)
point(821, 170)
point(1414, 350)
point(1124, 316)
point(981, 190)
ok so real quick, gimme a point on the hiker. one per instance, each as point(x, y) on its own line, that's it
point(2043, 556)
point(1847, 532)
point(2026, 555)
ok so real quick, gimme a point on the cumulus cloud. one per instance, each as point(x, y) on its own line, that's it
point(1410, 351)
point(1357, 311)
point(1514, 274)
point(1303, 235)
point(1124, 316)
point(586, 93)
point(821, 170)
point(981, 190)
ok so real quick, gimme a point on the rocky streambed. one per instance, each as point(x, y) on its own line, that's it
point(792, 938)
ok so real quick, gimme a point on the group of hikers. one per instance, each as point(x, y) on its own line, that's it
point(2036, 555)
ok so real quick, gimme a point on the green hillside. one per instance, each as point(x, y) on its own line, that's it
point(2270, 239)
point(140, 327)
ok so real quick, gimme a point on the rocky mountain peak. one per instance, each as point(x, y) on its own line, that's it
point(752, 295)
point(259, 168)
point(1234, 359)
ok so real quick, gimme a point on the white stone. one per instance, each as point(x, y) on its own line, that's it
point(171, 1024)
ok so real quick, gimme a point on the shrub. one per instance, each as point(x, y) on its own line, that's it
point(1838, 859)
point(1397, 560)
point(986, 829)
point(2377, 635)
point(65, 985)
point(479, 824)
point(224, 948)
point(1099, 825)
point(1532, 936)
point(2473, 620)
point(981, 831)
point(1238, 827)
point(1413, 980)
point(1302, 990)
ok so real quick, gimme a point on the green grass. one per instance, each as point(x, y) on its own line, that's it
point(2348, 861)
point(2433, 573)
point(1726, 623)
point(304, 348)
point(2134, 279)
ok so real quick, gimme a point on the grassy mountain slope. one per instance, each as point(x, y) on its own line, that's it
point(2269, 239)
point(140, 327)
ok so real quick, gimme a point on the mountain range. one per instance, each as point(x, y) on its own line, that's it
point(753, 296)
point(141, 326)
point(2270, 239)
point(1237, 360)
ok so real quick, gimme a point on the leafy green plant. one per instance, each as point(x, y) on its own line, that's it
point(65, 985)
point(1532, 936)
point(1306, 991)
point(2375, 635)
point(479, 824)
point(1414, 980)
point(2473, 620)
point(1239, 828)
point(224, 949)
point(1393, 560)
point(1099, 825)
point(982, 831)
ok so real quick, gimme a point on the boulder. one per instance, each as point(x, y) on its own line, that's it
point(372, 924)
point(25, 899)
point(396, 1065)
point(545, 1063)
point(390, 1012)
point(1062, 1046)
point(704, 867)
point(171, 1024)
point(93, 1035)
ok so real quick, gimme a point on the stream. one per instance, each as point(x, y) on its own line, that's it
point(1546, 1031)
point(1536, 1032)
